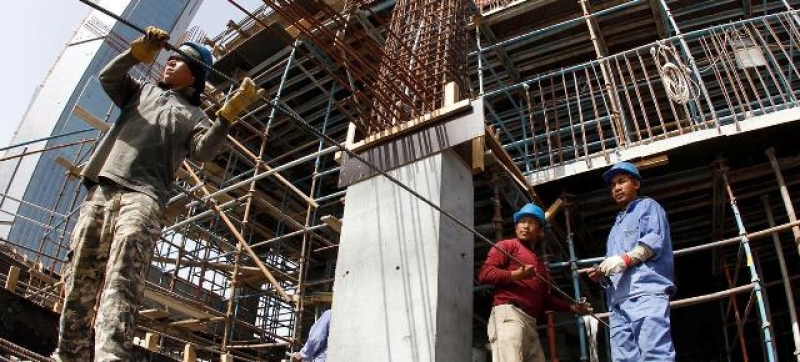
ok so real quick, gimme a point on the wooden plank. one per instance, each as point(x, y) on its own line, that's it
point(90, 119)
point(154, 313)
point(652, 161)
point(13, 277)
point(451, 94)
point(553, 209)
point(504, 158)
point(333, 223)
point(175, 305)
point(320, 298)
point(478, 165)
point(189, 354)
point(151, 341)
point(73, 170)
point(36, 273)
point(412, 125)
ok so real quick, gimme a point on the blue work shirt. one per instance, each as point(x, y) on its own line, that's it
point(316, 347)
point(643, 221)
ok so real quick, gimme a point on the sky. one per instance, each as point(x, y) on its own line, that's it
point(33, 34)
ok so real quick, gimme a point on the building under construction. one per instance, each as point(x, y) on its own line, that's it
point(332, 193)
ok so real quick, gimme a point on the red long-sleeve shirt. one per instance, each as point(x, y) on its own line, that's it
point(531, 295)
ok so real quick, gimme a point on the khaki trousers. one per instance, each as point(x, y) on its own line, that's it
point(513, 336)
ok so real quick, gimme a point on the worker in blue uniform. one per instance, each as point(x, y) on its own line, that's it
point(316, 347)
point(637, 272)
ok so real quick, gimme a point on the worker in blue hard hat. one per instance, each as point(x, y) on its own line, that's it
point(129, 178)
point(637, 272)
point(520, 297)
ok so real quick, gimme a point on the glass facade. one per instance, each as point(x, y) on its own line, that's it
point(47, 214)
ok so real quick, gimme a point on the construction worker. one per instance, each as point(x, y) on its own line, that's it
point(316, 347)
point(520, 297)
point(637, 272)
point(129, 178)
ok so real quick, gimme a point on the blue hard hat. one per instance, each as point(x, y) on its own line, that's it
point(621, 167)
point(532, 211)
point(199, 52)
point(200, 55)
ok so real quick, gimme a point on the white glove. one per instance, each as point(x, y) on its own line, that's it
point(613, 265)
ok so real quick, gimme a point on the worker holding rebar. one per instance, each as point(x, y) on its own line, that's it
point(520, 296)
point(637, 272)
point(129, 177)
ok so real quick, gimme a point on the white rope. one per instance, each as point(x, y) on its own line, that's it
point(675, 83)
point(591, 334)
point(674, 74)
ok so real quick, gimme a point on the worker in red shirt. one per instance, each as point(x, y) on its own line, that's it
point(520, 298)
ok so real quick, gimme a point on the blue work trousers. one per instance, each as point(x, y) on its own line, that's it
point(640, 330)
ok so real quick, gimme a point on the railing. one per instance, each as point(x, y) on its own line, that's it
point(740, 71)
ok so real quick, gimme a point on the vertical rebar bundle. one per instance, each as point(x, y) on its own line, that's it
point(428, 40)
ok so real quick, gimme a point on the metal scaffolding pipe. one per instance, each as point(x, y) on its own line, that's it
point(701, 298)
point(576, 290)
point(285, 166)
point(787, 285)
point(762, 312)
point(787, 199)
point(609, 83)
point(752, 236)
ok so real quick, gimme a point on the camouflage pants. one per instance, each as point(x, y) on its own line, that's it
point(113, 239)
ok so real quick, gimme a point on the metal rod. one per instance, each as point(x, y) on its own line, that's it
point(575, 279)
point(787, 286)
point(45, 139)
point(753, 273)
point(787, 199)
point(280, 168)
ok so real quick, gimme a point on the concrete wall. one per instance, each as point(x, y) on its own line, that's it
point(403, 289)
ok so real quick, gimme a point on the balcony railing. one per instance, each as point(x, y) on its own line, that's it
point(706, 80)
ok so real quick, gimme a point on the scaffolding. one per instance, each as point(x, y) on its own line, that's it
point(247, 255)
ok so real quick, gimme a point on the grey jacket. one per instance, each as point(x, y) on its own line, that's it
point(154, 133)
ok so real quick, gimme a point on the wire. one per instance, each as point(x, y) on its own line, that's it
point(309, 128)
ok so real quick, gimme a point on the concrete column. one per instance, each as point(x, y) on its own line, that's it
point(403, 288)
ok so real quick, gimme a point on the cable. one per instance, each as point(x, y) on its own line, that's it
point(309, 128)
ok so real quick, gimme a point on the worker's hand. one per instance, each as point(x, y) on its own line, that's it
point(146, 48)
point(613, 265)
point(595, 274)
point(296, 357)
point(523, 272)
point(581, 308)
point(247, 93)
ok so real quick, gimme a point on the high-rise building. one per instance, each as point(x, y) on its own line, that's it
point(38, 193)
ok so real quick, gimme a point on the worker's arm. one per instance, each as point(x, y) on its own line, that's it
point(494, 269)
point(115, 80)
point(653, 226)
point(114, 77)
point(206, 141)
point(317, 337)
